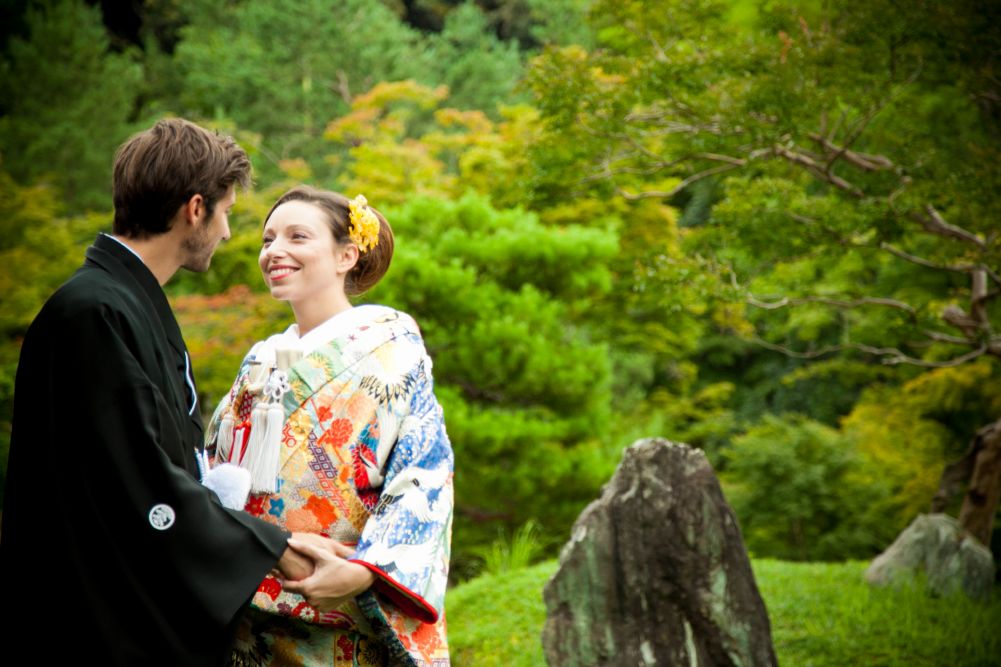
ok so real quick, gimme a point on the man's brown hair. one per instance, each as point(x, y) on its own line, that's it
point(159, 170)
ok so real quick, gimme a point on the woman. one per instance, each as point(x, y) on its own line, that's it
point(336, 421)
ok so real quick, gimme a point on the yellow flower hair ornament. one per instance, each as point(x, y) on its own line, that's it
point(364, 227)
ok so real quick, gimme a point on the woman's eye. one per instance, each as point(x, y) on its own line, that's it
point(298, 235)
point(266, 242)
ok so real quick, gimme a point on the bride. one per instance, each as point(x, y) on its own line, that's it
point(337, 423)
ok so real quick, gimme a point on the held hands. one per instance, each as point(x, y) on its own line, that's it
point(333, 579)
point(293, 565)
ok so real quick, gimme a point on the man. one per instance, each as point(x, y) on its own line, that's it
point(111, 549)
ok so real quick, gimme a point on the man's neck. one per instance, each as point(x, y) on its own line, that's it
point(158, 253)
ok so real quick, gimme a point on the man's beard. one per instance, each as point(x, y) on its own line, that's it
point(198, 250)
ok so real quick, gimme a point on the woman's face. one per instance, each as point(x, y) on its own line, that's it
point(299, 257)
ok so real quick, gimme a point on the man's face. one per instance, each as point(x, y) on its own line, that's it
point(207, 233)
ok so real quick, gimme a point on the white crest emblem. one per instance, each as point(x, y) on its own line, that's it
point(161, 516)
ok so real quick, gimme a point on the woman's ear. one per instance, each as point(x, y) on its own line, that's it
point(347, 257)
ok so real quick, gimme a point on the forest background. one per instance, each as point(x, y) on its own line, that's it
point(767, 229)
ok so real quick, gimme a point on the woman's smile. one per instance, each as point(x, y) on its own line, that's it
point(280, 271)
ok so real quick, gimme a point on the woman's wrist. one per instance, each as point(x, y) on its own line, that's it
point(362, 578)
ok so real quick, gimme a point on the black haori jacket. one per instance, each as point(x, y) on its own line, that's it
point(111, 549)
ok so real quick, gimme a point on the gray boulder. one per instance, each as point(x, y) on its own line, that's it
point(935, 544)
point(656, 572)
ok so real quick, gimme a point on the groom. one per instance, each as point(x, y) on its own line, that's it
point(110, 547)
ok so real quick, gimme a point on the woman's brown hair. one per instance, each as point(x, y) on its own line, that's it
point(372, 264)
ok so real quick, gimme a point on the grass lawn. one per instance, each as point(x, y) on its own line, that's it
point(822, 615)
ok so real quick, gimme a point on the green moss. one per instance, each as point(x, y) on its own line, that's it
point(496, 620)
point(822, 615)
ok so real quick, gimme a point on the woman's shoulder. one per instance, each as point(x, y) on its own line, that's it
point(396, 321)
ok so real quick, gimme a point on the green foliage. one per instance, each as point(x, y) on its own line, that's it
point(284, 70)
point(822, 615)
point(479, 69)
point(796, 488)
point(833, 127)
point(524, 386)
point(66, 102)
point(514, 553)
point(837, 167)
point(907, 434)
point(560, 22)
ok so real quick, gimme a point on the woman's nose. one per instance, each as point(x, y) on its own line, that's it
point(275, 249)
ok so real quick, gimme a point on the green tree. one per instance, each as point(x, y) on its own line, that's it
point(524, 384)
point(66, 102)
point(798, 488)
point(284, 70)
point(855, 148)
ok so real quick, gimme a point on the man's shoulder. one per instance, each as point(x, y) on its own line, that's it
point(90, 291)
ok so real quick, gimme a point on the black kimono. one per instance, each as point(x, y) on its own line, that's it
point(111, 549)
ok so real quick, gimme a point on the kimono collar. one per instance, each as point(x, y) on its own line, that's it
point(336, 327)
point(126, 266)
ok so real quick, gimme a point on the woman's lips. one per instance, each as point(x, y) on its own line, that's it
point(281, 272)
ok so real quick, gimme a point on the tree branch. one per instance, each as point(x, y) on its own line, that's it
point(817, 170)
point(920, 261)
point(840, 303)
point(933, 222)
point(940, 337)
point(890, 355)
point(864, 161)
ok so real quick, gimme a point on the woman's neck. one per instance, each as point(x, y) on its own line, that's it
point(314, 312)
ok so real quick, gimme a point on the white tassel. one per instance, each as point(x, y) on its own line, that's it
point(224, 438)
point(258, 455)
point(263, 453)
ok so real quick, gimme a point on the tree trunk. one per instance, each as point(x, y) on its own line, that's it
point(980, 505)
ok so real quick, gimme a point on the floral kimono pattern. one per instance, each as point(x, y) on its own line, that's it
point(364, 460)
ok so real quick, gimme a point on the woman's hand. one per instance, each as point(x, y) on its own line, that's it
point(334, 580)
point(317, 540)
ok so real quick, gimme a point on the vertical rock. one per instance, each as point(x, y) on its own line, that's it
point(656, 573)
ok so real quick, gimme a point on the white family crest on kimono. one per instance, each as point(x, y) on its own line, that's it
point(362, 456)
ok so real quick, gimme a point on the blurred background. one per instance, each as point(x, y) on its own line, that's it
point(716, 222)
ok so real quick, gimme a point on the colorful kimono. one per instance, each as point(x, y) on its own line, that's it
point(364, 459)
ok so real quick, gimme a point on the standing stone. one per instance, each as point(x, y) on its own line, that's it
point(656, 573)
point(935, 544)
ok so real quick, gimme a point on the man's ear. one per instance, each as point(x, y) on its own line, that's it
point(194, 209)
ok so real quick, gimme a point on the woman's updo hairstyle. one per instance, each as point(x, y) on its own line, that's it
point(373, 263)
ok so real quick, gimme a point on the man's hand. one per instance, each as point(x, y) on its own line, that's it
point(333, 581)
point(294, 565)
